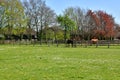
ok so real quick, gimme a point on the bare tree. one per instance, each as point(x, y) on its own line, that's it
point(76, 14)
point(39, 15)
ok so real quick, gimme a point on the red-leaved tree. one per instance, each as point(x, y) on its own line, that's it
point(102, 24)
point(106, 24)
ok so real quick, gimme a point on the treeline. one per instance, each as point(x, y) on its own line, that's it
point(33, 19)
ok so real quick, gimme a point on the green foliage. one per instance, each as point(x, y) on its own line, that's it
point(36, 15)
point(60, 35)
point(13, 16)
point(49, 34)
point(66, 22)
point(2, 37)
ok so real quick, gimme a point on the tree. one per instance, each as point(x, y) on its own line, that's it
point(91, 24)
point(2, 12)
point(107, 22)
point(13, 16)
point(101, 24)
point(39, 15)
point(77, 15)
point(58, 33)
point(66, 23)
point(117, 31)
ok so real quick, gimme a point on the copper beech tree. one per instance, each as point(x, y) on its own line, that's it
point(103, 24)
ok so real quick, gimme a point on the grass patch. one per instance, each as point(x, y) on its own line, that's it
point(59, 63)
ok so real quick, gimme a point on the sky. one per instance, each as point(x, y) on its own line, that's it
point(109, 6)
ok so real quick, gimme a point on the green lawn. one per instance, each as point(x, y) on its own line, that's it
point(52, 63)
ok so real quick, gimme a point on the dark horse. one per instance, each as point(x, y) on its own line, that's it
point(69, 42)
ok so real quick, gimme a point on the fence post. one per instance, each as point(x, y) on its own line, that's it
point(48, 43)
point(57, 43)
point(97, 44)
point(86, 44)
point(108, 44)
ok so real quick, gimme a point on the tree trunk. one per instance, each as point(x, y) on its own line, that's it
point(65, 35)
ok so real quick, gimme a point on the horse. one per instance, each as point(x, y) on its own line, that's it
point(94, 41)
point(69, 41)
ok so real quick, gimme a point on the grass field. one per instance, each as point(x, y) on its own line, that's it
point(52, 63)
